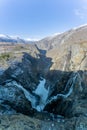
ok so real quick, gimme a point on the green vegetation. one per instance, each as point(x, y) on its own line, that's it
point(5, 56)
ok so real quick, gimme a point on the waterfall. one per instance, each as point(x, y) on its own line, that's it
point(41, 91)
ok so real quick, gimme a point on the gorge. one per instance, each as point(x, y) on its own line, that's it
point(43, 85)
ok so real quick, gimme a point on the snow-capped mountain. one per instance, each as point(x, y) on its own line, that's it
point(50, 86)
point(14, 39)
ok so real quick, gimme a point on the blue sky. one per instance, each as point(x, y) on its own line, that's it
point(36, 19)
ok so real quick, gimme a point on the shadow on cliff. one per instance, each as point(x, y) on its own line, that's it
point(28, 73)
point(67, 92)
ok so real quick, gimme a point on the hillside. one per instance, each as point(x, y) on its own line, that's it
point(46, 81)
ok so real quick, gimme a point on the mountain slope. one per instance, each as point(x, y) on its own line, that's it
point(75, 35)
point(58, 66)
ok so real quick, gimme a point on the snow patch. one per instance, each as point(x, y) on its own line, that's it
point(84, 25)
point(16, 37)
point(4, 36)
point(43, 93)
point(32, 39)
point(40, 91)
point(27, 94)
point(71, 82)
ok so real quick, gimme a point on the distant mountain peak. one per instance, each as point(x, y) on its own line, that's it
point(4, 36)
point(16, 39)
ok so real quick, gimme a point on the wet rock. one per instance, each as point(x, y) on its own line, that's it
point(12, 96)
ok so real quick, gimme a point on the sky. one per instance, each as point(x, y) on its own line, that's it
point(36, 19)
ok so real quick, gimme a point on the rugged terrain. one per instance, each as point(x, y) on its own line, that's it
point(43, 85)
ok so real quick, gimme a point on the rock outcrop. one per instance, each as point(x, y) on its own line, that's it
point(21, 122)
point(46, 80)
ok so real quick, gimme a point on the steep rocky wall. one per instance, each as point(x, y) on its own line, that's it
point(63, 67)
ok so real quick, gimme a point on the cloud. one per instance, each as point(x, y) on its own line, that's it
point(81, 12)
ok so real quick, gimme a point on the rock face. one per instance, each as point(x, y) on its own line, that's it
point(11, 96)
point(70, 65)
point(21, 122)
point(46, 80)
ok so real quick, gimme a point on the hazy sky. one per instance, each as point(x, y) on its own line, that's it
point(40, 18)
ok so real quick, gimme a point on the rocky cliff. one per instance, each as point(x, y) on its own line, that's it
point(46, 81)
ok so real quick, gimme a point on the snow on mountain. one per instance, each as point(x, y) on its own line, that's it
point(4, 36)
point(31, 39)
point(81, 26)
point(16, 39)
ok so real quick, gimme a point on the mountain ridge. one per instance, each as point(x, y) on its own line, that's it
point(14, 39)
point(6, 38)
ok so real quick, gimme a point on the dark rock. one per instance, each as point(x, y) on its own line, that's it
point(13, 97)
